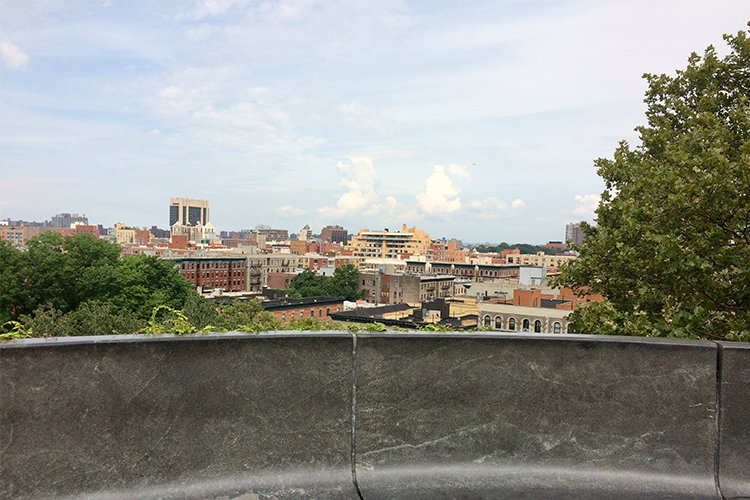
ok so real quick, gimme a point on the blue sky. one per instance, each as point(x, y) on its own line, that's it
point(478, 120)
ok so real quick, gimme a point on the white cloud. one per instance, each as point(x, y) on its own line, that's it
point(359, 179)
point(586, 205)
point(492, 208)
point(393, 210)
point(288, 212)
point(439, 195)
point(458, 171)
point(13, 57)
point(210, 8)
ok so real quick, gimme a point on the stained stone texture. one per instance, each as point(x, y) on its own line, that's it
point(734, 433)
point(535, 416)
point(217, 416)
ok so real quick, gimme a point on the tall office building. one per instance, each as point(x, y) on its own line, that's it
point(65, 220)
point(573, 234)
point(188, 212)
point(334, 234)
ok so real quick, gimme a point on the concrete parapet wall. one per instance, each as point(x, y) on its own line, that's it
point(386, 415)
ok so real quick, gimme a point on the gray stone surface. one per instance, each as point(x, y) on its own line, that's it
point(734, 433)
point(218, 416)
point(535, 417)
point(256, 417)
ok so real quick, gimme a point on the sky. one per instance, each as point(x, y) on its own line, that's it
point(476, 120)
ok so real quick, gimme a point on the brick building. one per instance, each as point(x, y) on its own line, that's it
point(209, 273)
point(287, 310)
point(334, 234)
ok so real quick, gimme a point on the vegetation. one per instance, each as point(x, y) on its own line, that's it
point(671, 250)
point(62, 274)
point(525, 249)
point(343, 283)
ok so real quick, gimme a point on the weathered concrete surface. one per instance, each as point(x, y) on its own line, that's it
point(216, 416)
point(251, 417)
point(535, 417)
point(734, 432)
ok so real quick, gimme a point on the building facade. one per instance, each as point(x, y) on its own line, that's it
point(539, 259)
point(187, 212)
point(211, 273)
point(573, 234)
point(334, 234)
point(288, 310)
point(387, 244)
point(514, 318)
point(65, 220)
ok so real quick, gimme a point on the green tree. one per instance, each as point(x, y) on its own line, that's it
point(62, 274)
point(307, 284)
point(671, 249)
point(145, 282)
point(10, 280)
point(345, 283)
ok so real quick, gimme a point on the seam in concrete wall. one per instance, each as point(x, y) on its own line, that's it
point(354, 416)
point(717, 447)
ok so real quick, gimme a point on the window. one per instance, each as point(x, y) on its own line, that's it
point(557, 328)
point(328, 311)
point(526, 325)
point(301, 314)
point(487, 321)
point(292, 316)
point(499, 322)
point(537, 326)
point(283, 317)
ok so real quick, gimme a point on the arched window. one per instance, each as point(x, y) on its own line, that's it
point(283, 317)
point(557, 328)
point(512, 324)
point(292, 316)
point(499, 322)
point(301, 314)
point(487, 321)
point(526, 325)
point(537, 326)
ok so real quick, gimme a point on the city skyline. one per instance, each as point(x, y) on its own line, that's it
point(478, 121)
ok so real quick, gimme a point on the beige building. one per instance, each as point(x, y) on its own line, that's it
point(198, 233)
point(124, 234)
point(514, 318)
point(538, 259)
point(387, 244)
point(188, 212)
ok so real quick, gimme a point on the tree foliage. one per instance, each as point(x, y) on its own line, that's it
point(62, 274)
point(525, 248)
point(671, 249)
point(343, 283)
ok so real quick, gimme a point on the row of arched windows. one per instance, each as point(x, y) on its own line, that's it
point(525, 324)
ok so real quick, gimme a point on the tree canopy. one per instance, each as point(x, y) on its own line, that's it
point(343, 283)
point(64, 273)
point(671, 248)
point(525, 248)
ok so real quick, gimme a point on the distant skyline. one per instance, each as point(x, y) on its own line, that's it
point(475, 120)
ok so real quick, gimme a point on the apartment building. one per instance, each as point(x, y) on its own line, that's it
point(398, 288)
point(387, 244)
point(210, 273)
point(539, 259)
